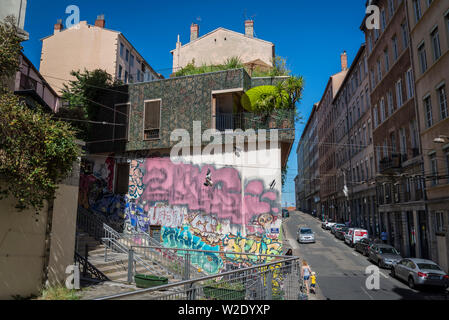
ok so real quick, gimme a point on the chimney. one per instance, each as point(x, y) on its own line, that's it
point(344, 61)
point(249, 28)
point(100, 22)
point(194, 31)
point(58, 26)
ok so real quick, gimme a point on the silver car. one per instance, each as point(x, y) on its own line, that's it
point(384, 255)
point(305, 235)
point(420, 272)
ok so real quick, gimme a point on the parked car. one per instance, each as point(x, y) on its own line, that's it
point(340, 233)
point(363, 246)
point(285, 213)
point(337, 226)
point(327, 224)
point(355, 235)
point(418, 272)
point(384, 255)
point(305, 235)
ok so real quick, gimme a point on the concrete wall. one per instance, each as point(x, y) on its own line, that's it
point(22, 247)
point(24, 260)
point(220, 45)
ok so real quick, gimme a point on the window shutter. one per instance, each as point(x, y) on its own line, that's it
point(152, 119)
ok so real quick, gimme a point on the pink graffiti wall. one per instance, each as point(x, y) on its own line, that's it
point(183, 185)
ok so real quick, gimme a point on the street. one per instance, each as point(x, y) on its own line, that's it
point(341, 270)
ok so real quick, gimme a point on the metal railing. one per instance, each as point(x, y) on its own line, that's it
point(277, 280)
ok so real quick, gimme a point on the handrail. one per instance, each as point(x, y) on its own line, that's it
point(90, 268)
point(113, 243)
point(190, 283)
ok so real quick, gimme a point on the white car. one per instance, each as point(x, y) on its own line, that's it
point(305, 235)
point(354, 235)
point(327, 225)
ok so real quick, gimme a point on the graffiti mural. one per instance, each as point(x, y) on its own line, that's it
point(232, 215)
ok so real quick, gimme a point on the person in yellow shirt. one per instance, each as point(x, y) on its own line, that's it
point(313, 282)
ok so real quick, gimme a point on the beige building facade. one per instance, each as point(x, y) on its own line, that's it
point(221, 44)
point(429, 33)
point(91, 47)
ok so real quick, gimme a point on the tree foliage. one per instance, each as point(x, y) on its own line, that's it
point(9, 48)
point(191, 69)
point(36, 152)
point(82, 95)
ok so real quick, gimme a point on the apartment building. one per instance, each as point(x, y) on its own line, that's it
point(221, 44)
point(399, 180)
point(309, 198)
point(356, 193)
point(327, 115)
point(429, 33)
point(91, 47)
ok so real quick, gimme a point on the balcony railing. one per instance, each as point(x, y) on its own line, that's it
point(392, 162)
point(248, 120)
point(27, 83)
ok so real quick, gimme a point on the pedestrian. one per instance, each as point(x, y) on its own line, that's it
point(313, 283)
point(288, 264)
point(305, 274)
point(384, 236)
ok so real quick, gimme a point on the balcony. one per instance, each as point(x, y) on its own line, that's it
point(391, 163)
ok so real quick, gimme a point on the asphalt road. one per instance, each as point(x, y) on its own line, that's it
point(341, 270)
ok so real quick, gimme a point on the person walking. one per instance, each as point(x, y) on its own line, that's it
point(313, 283)
point(305, 274)
point(384, 236)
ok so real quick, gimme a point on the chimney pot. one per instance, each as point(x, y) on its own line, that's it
point(194, 31)
point(58, 26)
point(344, 61)
point(249, 28)
point(100, 22)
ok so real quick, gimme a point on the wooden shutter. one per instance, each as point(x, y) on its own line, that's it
point(152, 119)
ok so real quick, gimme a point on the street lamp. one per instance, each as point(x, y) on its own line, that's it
point(440, 139)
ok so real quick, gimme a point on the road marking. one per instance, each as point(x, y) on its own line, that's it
point(355, 254)
point(386, 277)
point(367, 293)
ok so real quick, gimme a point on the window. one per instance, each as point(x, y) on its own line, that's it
point(428, 111)
point(447, 23)
point(382, 110)
point(447, 165)
point(122, 47)
point(373, 80)
point(410, 83)
point(393, 142)
point(404, 34)
point(442, 100)
point(391, 8)
point(390, 103)
point(120, 70)
point(422, 57)
point(435, 37)
point(434, 170)
point(387, 60)
point(370, 44)
point(399, 98)
point(417, 8)
point(126, 76)
point(127, 55)
point(439, 222)
point(152, 119)
point(375, 117)
point(395, 48)
point(122, 178)
point(138, 75)
point(131, 61)
point(402, 141)
point(383, 20)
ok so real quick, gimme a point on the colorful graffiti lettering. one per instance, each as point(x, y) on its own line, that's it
point(182, 238)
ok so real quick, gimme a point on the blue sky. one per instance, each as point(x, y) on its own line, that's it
point(311, 35)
